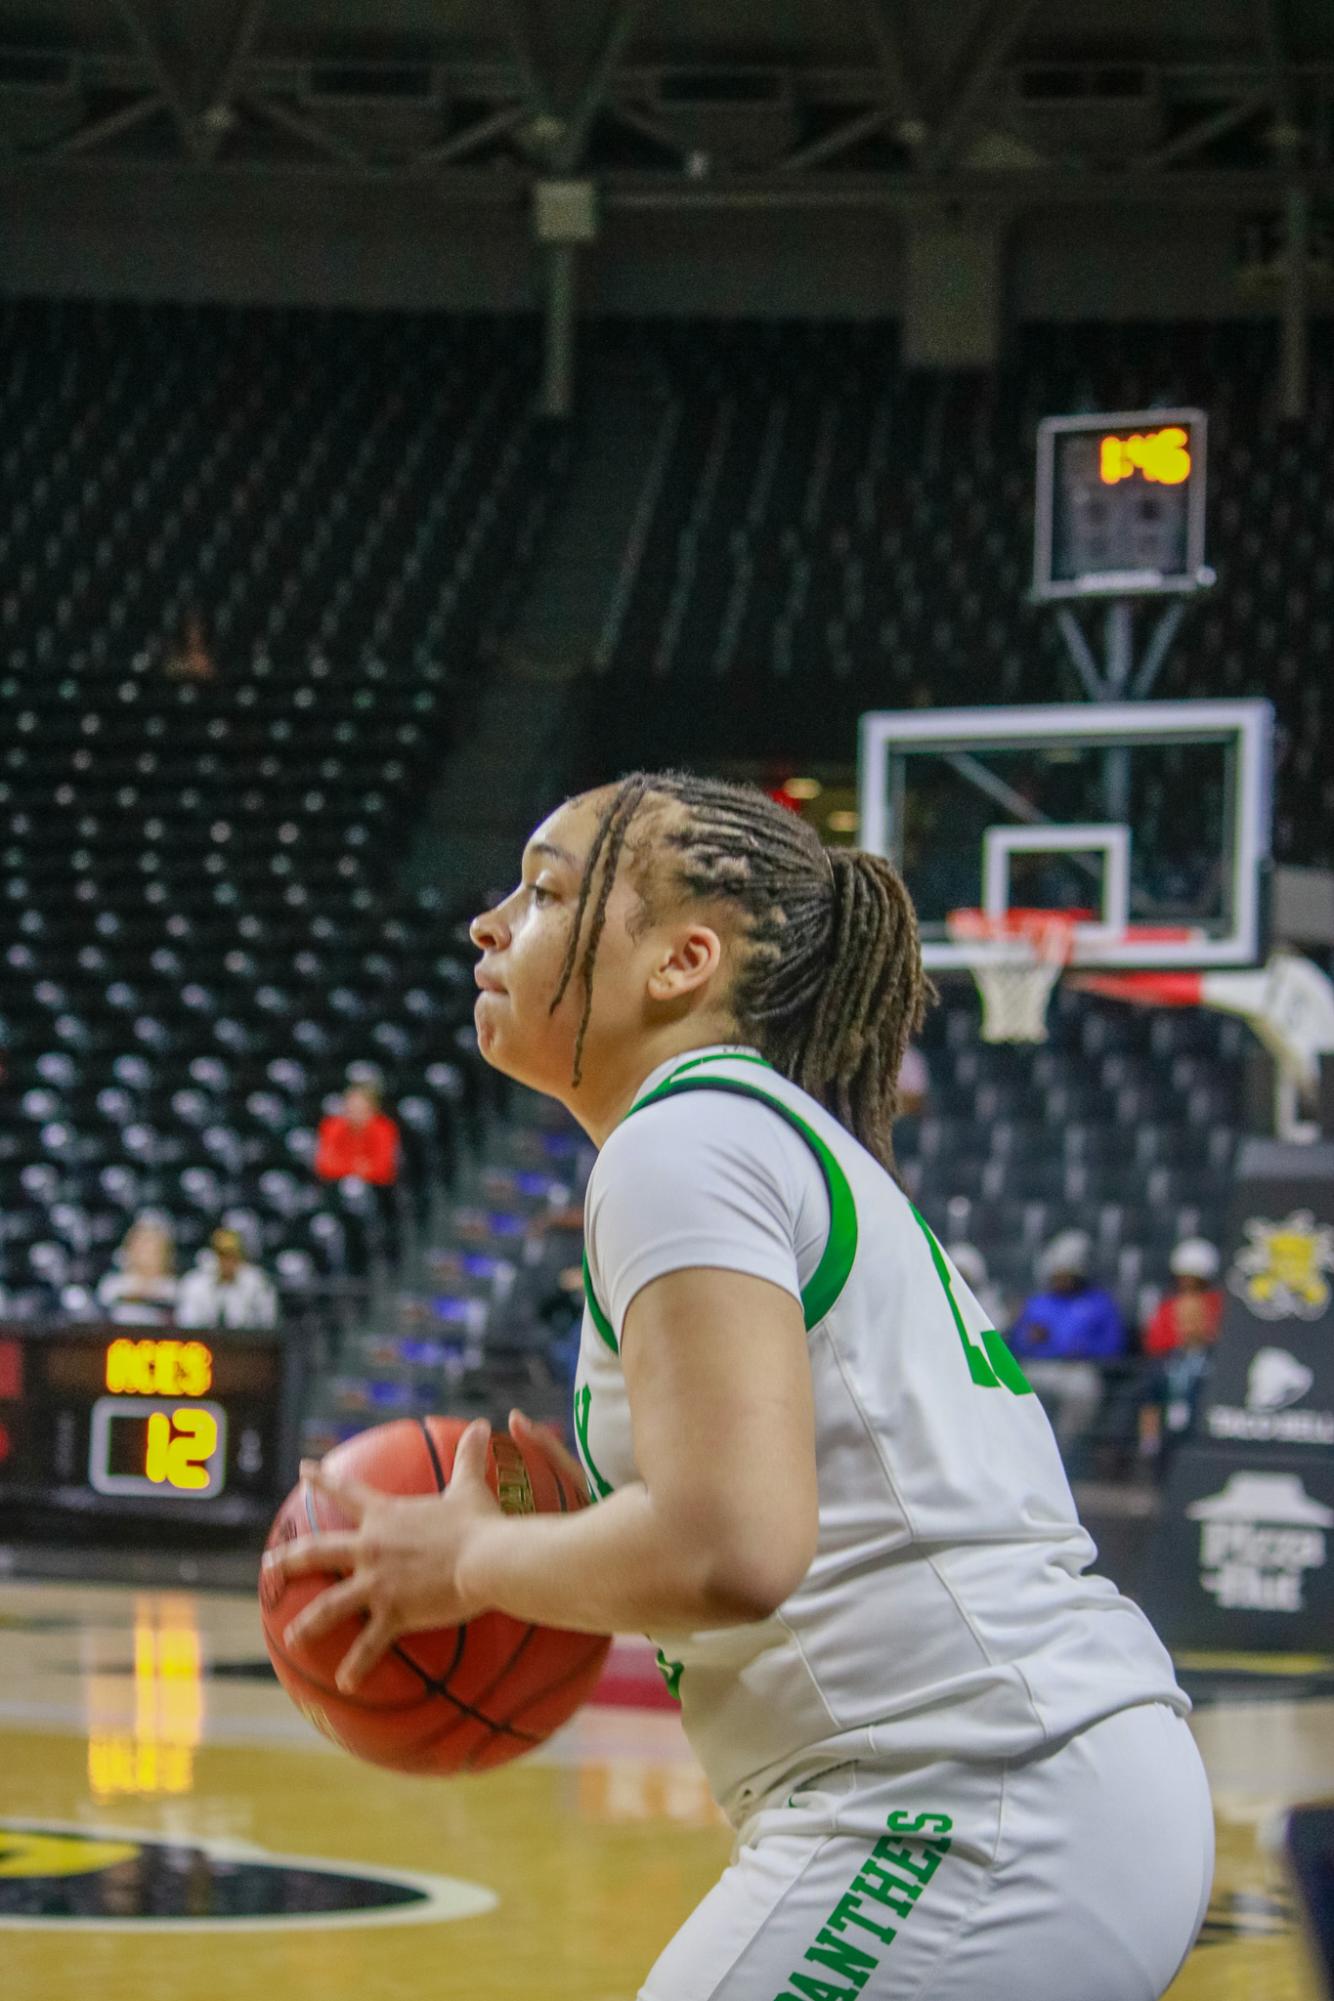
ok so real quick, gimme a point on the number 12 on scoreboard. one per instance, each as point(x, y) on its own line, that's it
point(160, 1446)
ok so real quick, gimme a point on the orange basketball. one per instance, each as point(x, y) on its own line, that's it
point(460, 1699)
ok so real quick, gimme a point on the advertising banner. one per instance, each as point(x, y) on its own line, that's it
point(1240, 1559)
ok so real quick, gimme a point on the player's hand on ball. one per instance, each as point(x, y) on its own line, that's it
point(399, 1562)
point(544, 1437)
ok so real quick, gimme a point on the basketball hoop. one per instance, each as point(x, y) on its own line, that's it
point(1016, 961)
point(1289, 1003)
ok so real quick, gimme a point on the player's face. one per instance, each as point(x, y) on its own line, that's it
point(525, 943)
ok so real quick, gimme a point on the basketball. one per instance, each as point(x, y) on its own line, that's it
point(460, 1699)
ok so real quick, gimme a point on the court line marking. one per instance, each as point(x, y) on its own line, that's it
point(1242, 1663)
point(444, 1898)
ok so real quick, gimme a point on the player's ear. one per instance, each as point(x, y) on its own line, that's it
point(695, 957)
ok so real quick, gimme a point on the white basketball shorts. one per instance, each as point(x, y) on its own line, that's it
point(1079, 1874)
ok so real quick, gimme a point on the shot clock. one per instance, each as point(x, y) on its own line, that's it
point(1120, 505)
point(121, 1421)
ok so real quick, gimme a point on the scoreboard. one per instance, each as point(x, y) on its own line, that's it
point(1120, 505)
point(126, 1421)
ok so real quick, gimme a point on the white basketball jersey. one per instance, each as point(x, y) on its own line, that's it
point(948, 1613)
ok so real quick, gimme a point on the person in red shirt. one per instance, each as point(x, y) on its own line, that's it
point(1179, 1335)
point(1190, 1316)
point(361, 1140)
point(359, 1145)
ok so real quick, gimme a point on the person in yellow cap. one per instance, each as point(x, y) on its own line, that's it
point(224, 1289)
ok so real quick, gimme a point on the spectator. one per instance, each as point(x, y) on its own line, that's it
point(1180, 1335)
point(141, 1290)
point(369, 1074)
point(1062, 1333)
point(359, 1141)
point(1191, 1315)
point(224, 1289)
point(190, 659)
point(971, 1266)
point(914, 1084)
point(359, 1146)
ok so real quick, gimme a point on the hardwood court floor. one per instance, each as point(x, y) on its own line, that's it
point(141, 1745)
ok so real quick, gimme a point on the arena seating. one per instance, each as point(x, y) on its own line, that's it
point(471, 1331)
point(199, 875)
point(202, 923)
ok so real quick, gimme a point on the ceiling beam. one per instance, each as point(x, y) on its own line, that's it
point(893, 38)
point(1228, 119)
point(637, 119)
point(1274, 36)
point(507, 118)
point(997, 31)
point(1230, 191)
point(160, 70)
point(519, 26)
point(299, 126)
point(850, 133)
point(99, 130)
point(622, 20)
point(219, 111)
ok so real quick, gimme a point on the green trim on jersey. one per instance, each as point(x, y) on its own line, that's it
point(598, 1488)
point(831, 1275)
point(695, 1063)
point(992, 1366)
point(600, 1320)
point(671, 1672)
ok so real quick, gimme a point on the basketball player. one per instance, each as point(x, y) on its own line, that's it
point(956, 1762)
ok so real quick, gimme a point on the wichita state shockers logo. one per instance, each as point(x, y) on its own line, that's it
point(109, 1879)
point(1282, 1272)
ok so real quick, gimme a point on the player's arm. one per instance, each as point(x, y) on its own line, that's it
point(719, 1530)
point(721, 1527)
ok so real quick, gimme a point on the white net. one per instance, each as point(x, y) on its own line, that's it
point(1018, 961)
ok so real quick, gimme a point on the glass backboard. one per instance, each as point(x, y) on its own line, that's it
point(1151, 820)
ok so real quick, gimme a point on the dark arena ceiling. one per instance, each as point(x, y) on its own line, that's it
point(692, 102)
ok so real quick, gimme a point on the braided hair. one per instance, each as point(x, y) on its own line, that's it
point(829, 982)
